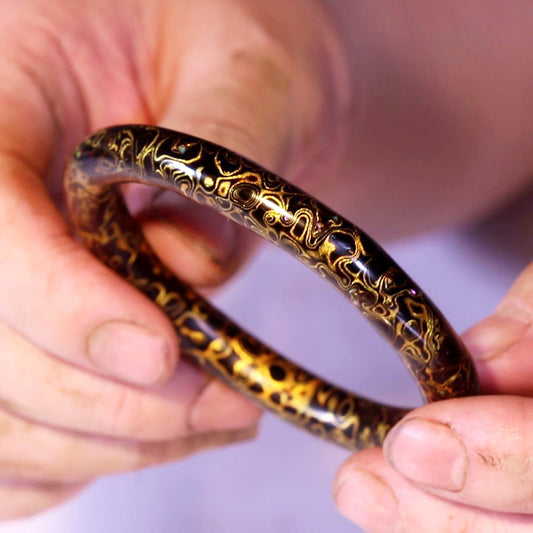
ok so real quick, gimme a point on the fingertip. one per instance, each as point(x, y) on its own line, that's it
point(202, 247)
point(219, 408)
point(500, 344)
point(364, 497)
point(497, 333)
point(77, 310)
point(191, 257)
point(427, 452)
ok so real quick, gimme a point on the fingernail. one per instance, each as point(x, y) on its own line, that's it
point(365, 499)
point(427, 452)
point(218, 408)
point(201, 226)
point(129, 352)
point(497, 333)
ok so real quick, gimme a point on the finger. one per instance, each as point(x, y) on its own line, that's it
point(502, 343)
point(371, 494)
point(65, 396)
point(65, 303)
point(64, 300)
point(94, 93)
point(200, 245)
point(20, 500)
point(240, 104)
point(475, 451)
point(250, 86)
point(57, 294)
point(32, 452)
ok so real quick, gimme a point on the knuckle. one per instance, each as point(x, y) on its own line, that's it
point(142, 416)
point(124, 413)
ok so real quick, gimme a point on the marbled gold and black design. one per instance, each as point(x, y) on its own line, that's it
point(288, 217)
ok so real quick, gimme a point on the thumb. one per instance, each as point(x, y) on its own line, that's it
point(244, 88)
point(502, 342)
point(238, 107)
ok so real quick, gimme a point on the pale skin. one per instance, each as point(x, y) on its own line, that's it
point(410, 114)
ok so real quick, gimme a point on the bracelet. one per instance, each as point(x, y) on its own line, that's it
point(285, 215)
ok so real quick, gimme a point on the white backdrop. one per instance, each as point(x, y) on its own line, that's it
point(281, 482)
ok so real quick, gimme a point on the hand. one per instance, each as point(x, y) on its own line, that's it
point(89, 384)
point(458, 465)
point(465, 464)
point(279, 84)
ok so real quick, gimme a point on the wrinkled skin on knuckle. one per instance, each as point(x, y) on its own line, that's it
point(123, 415)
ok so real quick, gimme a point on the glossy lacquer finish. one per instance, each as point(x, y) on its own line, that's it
point(285, 215)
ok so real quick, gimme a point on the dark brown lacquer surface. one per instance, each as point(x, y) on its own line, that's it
point(290, 218)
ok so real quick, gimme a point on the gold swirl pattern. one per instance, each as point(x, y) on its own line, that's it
point(285, 215)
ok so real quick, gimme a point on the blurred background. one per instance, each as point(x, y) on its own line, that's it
point(282, 481)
